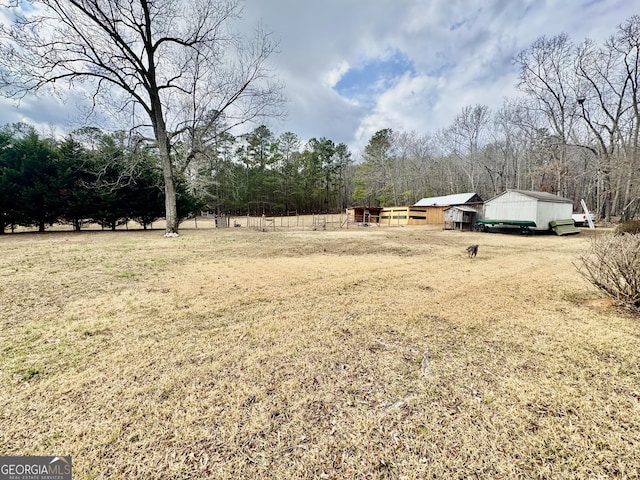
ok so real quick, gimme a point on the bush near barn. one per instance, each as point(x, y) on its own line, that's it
point(612, 264)
point(632, 227)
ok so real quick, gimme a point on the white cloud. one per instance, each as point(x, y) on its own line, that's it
point(461, 52)
point(334, 75)
point(43, 113)
point(405, 107)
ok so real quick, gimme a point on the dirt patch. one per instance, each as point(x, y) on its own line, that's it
point(601, 303)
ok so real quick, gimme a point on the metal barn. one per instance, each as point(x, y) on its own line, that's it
point(526, 209)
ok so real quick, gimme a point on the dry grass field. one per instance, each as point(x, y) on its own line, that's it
point(346, 354)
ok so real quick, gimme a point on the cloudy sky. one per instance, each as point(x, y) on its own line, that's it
point(352, 67)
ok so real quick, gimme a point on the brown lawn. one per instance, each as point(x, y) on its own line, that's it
point(352, 353)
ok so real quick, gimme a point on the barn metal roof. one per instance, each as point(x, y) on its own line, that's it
point(464, 209)
point(541, 196)
point(445, 201)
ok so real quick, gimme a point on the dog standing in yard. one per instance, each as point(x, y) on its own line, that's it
point(472, 250)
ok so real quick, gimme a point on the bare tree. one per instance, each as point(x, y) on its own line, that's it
point(547, 77)
point(601, 98)
point(626, 42)
point(523, 121)
point(413, 166)
point(509, 141)
point(466, 136)
point(179, 60)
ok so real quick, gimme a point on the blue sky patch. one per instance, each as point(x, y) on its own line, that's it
point(374, 75)
point(457, 25)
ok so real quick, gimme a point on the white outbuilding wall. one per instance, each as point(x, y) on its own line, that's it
point(524, 205)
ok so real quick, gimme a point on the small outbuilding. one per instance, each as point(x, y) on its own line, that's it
point(528, 210)
point(459, 218)
point(363, 215)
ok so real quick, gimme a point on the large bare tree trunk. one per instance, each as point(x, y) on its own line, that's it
point(164, 153)
point(170, 200)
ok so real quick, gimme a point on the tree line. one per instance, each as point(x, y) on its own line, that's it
point(263, 174)
point(89, 177)
point(109, 178)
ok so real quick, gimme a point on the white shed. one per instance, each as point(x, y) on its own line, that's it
point(522, 206)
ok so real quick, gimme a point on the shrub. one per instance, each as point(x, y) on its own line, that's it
point(632, 226)
point(612, 264)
